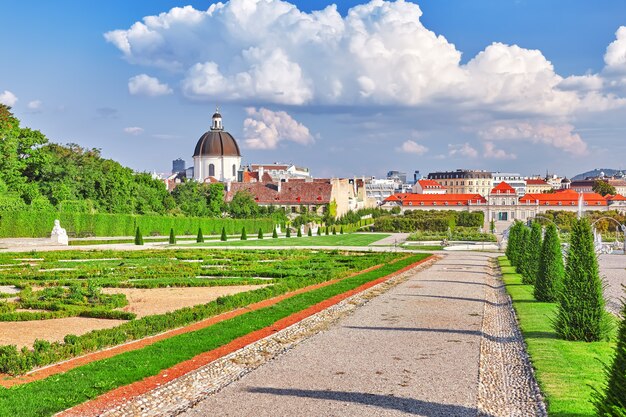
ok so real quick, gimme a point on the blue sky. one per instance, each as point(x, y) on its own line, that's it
point(398, 85)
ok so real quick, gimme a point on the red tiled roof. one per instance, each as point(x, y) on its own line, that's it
point(616, 197)
point(255, 167)
point(410, 199)
point(430, 184)
point(254, 176)
point(290, 193)
point(503, 188)
point(563, 198)
point(536, 182)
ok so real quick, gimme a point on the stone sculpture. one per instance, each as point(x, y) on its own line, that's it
point(59, 235)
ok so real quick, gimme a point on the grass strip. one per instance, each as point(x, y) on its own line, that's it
point(62, 391)
point(567, 371)
point(331, 240)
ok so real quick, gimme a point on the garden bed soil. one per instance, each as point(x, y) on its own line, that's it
point(147, 302)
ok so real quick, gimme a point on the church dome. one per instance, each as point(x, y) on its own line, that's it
point(217, 142)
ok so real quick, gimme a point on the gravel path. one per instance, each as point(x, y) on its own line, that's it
point(613, 270)
point(414, 350)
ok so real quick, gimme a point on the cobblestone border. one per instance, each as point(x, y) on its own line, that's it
point(183, 393)
point(506, 381)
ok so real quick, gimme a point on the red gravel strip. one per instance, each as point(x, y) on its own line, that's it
point(7, 381)
point(122, 394)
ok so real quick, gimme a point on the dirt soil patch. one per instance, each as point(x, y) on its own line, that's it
point(24, 333)
point(146, 302)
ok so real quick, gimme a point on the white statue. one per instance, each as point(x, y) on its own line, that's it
point(314, 229)
point(59, 235)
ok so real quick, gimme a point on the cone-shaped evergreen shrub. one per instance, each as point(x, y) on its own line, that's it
point(341, 231)
point(511, 246)
point(551, 270)
point(224, 237)
point(138, 237)
point(334, 230)
point(244, 236)
point(275, 234)
point(200, 237)
point(534, 252)
point(524, 238)
point(319, 230)
point(612, 402)
point(260, 235)
point(580, 314)
point(299, 232)
point(172, 237)
point(288, 234)
point(310, 232)
point(327, 230)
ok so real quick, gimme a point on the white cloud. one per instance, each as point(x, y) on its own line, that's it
point(264, 129)
point(8, 98)
point(464, 150)
point(560, 136)
point(134, 130)
point(410, 146)
point(493, 153)
point(268, 51)
point(34, 106)
point(615, 56)
point(145, 85)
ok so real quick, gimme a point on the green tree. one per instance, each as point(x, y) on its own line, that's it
point(580, 314)
point(534, 253)
point(274, 234)
point(319, 230)
point(512, 242)
point(492, 226)
point(260, 235)
point(310, 232)
point(288, 233)
point(215, 199)
point(522, 243)
point(200, 237)
point(612, 402)
point(551, 270)
point(327, 230)
point(334, 230)
point(243, 205)
point(172, 240)
point(224, 236)
point(341, 230)
point(603, 188)
point(299, 234)
point(138, 237)
point(244, 236)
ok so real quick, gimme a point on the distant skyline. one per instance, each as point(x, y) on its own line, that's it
point(360, 88)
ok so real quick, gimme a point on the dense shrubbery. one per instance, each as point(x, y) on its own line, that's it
point(550, 274)
point(612, 402)
point(429, 221)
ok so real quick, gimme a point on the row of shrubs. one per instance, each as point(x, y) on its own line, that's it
point(459, 233)
point(430, 221)
point(39, 224)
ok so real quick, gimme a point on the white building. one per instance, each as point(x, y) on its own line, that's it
point(428, 187)
point(513, 179)
point(217, 155)
point(380, 189)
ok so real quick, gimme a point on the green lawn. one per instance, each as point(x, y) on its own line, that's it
point(352, 239)
point(566, 371)
point(59, 392)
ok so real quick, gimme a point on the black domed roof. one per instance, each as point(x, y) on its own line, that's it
point(217, 143)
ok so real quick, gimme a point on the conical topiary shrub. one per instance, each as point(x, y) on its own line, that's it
point(327, 230)
point(319, 230)
point(138, 237)
point(224, 236)
point(260, 235)
point(341, 231)
point(200, 237)
point(612, 402)
point(244, 236)
point(288, 233)
point(534, 250)
point(551, 270)
point(299, 232)
point(310, 232)
point(513, 242)
point(334, 230)
point(580, 314)
point(275, 234)
point(522, 254)
point(172, 240)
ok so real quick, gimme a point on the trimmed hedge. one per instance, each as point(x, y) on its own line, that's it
point(39, 224)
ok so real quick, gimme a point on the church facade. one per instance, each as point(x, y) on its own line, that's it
point(217, 156)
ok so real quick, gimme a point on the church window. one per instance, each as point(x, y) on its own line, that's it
point(234, 170)
point(211, 170)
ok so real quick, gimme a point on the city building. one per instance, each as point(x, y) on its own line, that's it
point(502, 201)
point(178, 165)
point(379, 189)
point(217, 156)
point(537, 186)
point(277, 170)
point(513, 179)
point(464, 181)
point(397, 175)
point(428, 187)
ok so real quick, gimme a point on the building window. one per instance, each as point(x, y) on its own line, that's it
point(211, 170)
point(235, 171)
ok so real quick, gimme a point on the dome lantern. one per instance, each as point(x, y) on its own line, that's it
point(217, 120)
